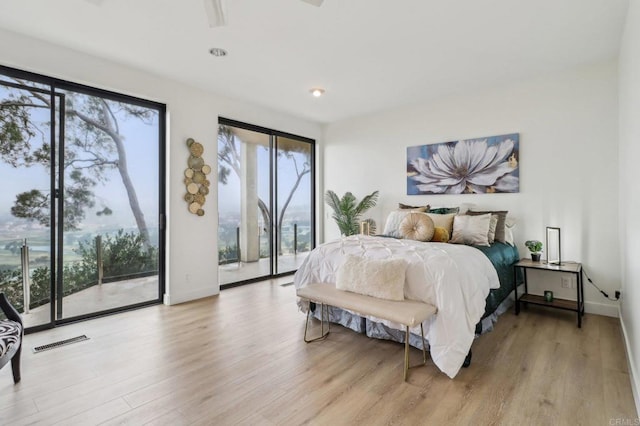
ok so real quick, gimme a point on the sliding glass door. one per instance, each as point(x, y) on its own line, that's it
point(26, 213)
point(86, 216)
point(110, 225)
point(265, 202)
point(244, 202)
point(294, 208)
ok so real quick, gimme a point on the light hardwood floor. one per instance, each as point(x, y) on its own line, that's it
point(239, 358)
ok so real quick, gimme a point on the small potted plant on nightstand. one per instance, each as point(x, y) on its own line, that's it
point(535, 247)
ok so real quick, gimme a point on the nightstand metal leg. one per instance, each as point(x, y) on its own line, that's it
point(582, 292)
point(579, 300)
point(579, 320)
point(526, 289)
point(515, 289)
point(580, 295)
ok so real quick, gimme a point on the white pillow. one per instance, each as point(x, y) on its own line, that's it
point(492, 228)
point(508, 233)
point(381, 278)
point(471, 230)
point(508, 236)
point(392, 225)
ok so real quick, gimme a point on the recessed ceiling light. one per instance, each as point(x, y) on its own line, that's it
point(216, 51)
point(317, 92)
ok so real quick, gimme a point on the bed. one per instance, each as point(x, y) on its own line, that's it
point(467, 284)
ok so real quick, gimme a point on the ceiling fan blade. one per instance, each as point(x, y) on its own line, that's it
point(215, 13)
point(314, 2)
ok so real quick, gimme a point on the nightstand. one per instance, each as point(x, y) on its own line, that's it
point(576, 306)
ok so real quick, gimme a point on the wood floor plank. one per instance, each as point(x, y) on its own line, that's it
point(618, 403)
point(239, 358)
point(174, 418)
point(21, 408)
point(98, 414)
point(612, 349)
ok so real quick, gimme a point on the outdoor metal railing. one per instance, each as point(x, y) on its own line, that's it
point(21, 277)
point(238, 244)
point(26, 282)
point(226, 257)
point(99, 262)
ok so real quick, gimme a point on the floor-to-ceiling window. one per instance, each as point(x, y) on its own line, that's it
point(81, 229)
point(265, 202)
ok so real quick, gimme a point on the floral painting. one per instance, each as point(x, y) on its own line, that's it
point(472, 166)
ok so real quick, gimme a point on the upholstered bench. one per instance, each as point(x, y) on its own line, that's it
point(11, 332)
point(409, 313)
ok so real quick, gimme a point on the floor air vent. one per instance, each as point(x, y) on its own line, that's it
point(60, 343)
point(286, 284)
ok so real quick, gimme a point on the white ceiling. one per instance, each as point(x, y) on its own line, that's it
point(369, 55)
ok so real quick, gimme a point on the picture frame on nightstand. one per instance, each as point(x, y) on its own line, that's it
point(554, 256)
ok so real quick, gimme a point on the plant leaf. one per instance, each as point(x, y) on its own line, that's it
point(347, 210)
point(367, 202)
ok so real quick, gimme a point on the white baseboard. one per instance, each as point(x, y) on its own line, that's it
point(189, 296)
point(633, 373)
point(606, 309)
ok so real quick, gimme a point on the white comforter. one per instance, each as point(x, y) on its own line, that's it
point(454, 278)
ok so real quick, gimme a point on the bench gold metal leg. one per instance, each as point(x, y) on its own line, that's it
point(424, 350)
point(406, 350)
point(406, 353)
point(324, 316)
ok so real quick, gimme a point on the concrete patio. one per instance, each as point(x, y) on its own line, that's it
point(98, 298)
point(122, 293)
point(240, 271)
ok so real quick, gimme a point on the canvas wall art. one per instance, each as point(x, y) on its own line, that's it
point(472, 166)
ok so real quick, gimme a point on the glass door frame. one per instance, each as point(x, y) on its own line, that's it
point(277, 227)
point(273, 182)
point(56, 210)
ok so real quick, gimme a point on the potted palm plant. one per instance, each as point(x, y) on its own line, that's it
point(347, 211)
point(535, 247)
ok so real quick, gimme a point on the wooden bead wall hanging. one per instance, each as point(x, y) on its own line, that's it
point(195, 178)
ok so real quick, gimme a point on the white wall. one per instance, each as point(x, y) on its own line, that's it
point(568, 166)
point(629, 64)
point(192, 241)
